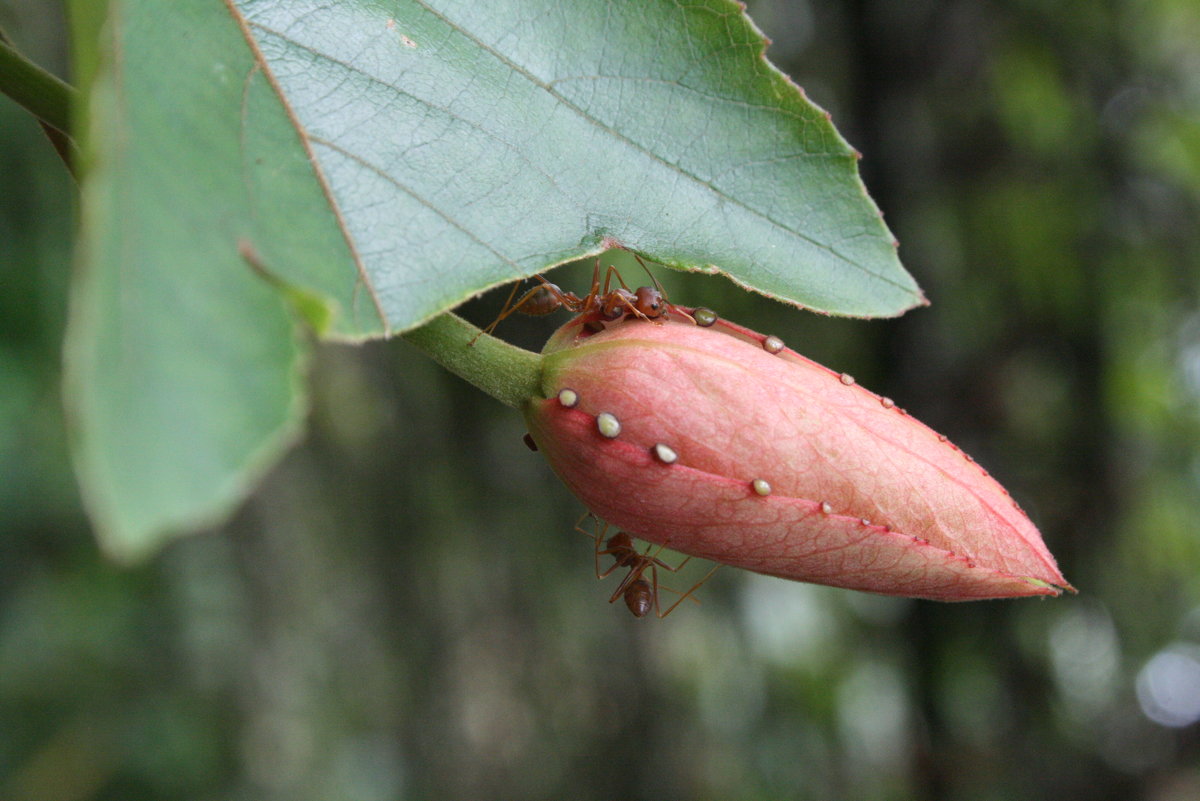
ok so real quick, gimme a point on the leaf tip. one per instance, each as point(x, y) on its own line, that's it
point(1048, 588)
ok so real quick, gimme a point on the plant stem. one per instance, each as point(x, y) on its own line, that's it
point(37, 91)
point(509, 374)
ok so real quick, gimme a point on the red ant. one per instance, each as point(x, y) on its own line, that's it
point(640, 595)
point(598, 306)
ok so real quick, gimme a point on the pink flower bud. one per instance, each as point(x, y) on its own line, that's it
point(721, 443)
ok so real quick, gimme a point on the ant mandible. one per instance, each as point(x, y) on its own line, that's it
point(598, 305)
point(641, 596)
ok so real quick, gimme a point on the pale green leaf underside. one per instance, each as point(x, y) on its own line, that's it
point(467, 143)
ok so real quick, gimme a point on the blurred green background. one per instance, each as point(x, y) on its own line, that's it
point(403, 611)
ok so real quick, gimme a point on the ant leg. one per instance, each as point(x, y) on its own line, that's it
point(635, 573)
point(637, 570)
point(664, 565)
point(507, 309)
point(653, 558)
point(583, 517)
point(585, 303)
point(678, 310)
point(560, 298)
point(689, 593)
point(612, 270)
point(504, 312)
point(654, 590)
point(597, 536)
point(628, 304)
point(598, 539)
point(605, 574)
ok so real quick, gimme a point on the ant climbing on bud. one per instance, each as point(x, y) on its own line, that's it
point(641, 596)
point(598, 306)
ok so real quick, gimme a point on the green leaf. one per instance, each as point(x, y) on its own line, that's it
point(380, 162)
point(184, 368)
point(467, 143)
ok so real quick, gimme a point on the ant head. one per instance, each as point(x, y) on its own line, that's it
point(620, 541)
point(649, 301)
point(639, 598)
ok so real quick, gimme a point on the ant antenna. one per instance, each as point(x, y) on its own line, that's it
point(654, 280)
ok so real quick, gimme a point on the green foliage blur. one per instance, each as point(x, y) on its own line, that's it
point(403, 611)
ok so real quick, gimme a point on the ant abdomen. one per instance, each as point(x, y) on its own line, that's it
point(640, 598)
point(542, 301)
